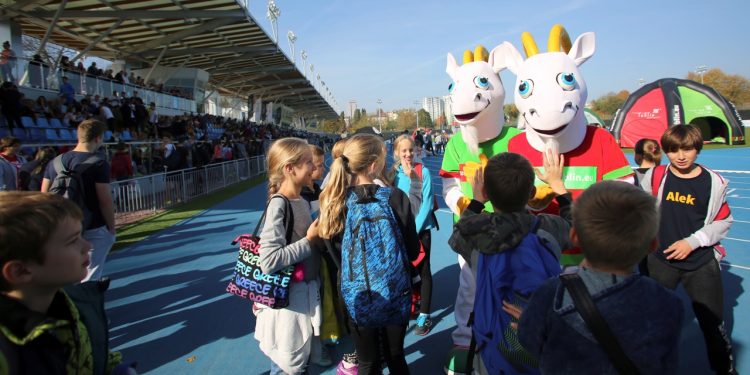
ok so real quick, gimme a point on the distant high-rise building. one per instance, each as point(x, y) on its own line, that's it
point(449, 118)
point(352, 108)
point(434, 106)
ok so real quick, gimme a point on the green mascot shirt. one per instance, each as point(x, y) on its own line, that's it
point(459, 162)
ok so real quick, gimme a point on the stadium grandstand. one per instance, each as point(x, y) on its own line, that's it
point(208, 57)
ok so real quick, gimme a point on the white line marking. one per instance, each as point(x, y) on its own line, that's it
point(735, 266)
point(729, 171)
point(742, 221)
point(732, 191)
point(737, 196)
point(741, 208)
point(736, 239)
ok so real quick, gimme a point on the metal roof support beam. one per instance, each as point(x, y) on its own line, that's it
point(267, 69)
point(96, 41)
point(143, 14)
point(25, 4)
point(208, 51)
point(166, 40)
point(158, 60)
point(43, 43)
point(171, 73)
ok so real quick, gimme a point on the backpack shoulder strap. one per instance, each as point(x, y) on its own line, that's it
point(58, 164)
point(90, 161)
point(597, 325)
point(656, 178)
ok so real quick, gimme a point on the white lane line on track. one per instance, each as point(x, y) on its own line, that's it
point(741, 221)
point(730, 171)
point(741, 208)
point(732, 191)
point(727, 264)
point(736, 239)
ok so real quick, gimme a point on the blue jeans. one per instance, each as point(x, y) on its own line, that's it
point(101, 242)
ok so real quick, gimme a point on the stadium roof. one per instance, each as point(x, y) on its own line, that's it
point(218, 36)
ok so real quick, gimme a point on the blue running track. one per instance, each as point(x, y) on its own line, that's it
point(169, 311)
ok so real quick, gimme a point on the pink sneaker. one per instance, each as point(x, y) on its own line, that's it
point(346, 368)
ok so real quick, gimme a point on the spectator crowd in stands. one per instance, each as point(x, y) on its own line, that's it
point(154, 142)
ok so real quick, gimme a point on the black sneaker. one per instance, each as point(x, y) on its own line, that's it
point(424, 325)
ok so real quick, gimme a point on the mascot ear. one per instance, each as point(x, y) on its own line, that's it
point(451, 67)
point(505, 56)
point(583, 48)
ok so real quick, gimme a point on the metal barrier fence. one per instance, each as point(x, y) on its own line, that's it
point(164, 190)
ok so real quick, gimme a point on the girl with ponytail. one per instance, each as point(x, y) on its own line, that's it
point(352, 179)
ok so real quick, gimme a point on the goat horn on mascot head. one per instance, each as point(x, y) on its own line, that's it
point(477, 96)
point(550, 92)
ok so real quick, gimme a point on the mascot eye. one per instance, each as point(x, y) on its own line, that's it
point(525, 88)
point(567, 81)
point(450, 88)
point(481, 82)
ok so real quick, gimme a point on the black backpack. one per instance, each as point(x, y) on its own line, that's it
point(69, 184)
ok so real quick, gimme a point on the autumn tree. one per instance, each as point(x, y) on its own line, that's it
point(424, 119)
point(511, 113)
point(733, 87)
point(606, 105)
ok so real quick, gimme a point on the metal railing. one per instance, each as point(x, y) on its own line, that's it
point(165, 190)
point(39, 75)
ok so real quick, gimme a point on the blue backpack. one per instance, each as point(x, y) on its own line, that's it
point(512, 275)
point(375, 278)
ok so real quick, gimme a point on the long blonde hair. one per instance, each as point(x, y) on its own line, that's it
point(396, 157)
point(360, 152)
point(283, 152)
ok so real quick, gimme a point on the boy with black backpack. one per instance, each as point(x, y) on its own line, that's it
point(82, 175)
point(511, 253)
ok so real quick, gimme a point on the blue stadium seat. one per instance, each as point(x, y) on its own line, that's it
point(4, 132)
point(126, 135)
point(42, 123)
point(51, 135)
point(56, 123)
point(28, 122)
point(20, 134)
point(35, 134)
point(65, 135)
point(107, 136)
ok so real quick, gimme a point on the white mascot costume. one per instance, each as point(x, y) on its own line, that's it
point(477, 97)
point(550, 94)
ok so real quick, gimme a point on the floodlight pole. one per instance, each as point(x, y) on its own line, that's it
point(701, 70)
point(380, 110)
point(641, 82)
point(292, 38)
point(303, 55)
point(416, 103)
point(273, 15)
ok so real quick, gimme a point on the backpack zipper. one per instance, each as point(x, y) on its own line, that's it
point(364, 265)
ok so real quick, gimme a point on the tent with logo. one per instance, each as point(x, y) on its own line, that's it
point(650, 110)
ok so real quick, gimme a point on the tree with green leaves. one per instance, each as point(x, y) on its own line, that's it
point(424, 119)
point(606, 105)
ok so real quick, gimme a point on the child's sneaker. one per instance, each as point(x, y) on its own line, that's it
point(424, 325)
point(348, 365)
point(456, 364)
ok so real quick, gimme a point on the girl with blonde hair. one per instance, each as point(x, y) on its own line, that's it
point(289, 335)
point(414, 179)
point(350, 188)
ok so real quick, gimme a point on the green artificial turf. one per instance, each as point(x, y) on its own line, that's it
point(138, 231)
